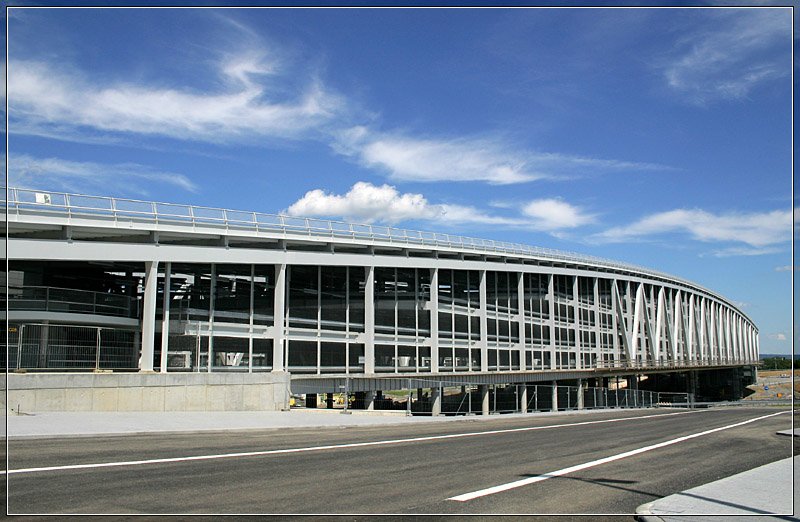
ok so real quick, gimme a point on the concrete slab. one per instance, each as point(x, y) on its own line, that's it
point(763, 491)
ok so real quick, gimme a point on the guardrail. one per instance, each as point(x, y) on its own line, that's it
point(54, 299)
point(80, 205)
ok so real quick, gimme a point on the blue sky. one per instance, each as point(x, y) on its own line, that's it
point(659, 137)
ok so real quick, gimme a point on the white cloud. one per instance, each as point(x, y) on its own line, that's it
point(740, 53)
point(554, 214)
point(47, 100)
point(368, 203)
point(465, 159)
point(26, 171)
point(777, 336)
point(786, 268)
point(757, 230)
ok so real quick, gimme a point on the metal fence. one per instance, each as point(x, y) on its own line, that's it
point(53, 299)
point(65, 347)
point(415, 396)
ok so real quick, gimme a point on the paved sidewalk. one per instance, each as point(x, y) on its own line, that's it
point(72, 424)
point(761, 491)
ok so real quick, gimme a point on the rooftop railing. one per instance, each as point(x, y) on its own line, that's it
point(69, 300)
point(20, 200)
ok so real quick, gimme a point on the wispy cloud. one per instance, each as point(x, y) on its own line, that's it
point(758, 230)
point(555, 214)
point(745, 48)
point(369, 203)
point(26, 171)
point(779, 336)
point(53, 101)
point(786, 268)
point(483, 159)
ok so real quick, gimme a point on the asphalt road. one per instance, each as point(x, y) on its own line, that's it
point(407, 477)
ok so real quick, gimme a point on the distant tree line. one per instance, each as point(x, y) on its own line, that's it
point(776, 363)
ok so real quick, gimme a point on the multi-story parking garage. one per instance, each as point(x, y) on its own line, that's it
point(182, 293)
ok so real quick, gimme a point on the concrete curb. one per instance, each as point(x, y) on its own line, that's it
point(643, 513)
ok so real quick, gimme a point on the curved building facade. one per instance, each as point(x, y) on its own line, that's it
point(176, 288)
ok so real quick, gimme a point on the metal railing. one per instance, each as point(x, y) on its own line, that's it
point(130, 210)
point(465, 398)
point(68, 347)
point(69, 300)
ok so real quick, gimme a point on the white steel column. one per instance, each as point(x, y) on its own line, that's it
point(369, 320)
point(165, 317)
point(521, 307)
point(576, 307)
point(213, 292)
point(434, 312)
point(483, 322)
point(637, 343)
point(677, 321)
point(554, 396)
point(252, 312)
point(702, 338)
point(596, 312)
point(581, 388)
point(659, 323)
point(149, 316)
point(692, 330)
point(551, 322)
point(279, 328)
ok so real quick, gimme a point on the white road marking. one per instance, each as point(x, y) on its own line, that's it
point(323, 448)
point(532, 480)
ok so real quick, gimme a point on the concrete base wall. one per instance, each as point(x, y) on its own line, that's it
point(38, 392)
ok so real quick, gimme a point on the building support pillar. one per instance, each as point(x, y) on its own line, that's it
point(149, 316)
point(369, 400)
point(523, 398)
point(554, 400)
point(581, 388)
point(484, 392)
point(165, 318)
point(369, 321)
point(434, 320)
point(279, 329)
point(436, 401)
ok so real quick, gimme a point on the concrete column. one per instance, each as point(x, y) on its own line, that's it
point(149, 316)
point(483, 389)
point(436, 401)
point(279, 329)
point(521, 306)
point(211, 315)
point(523, 398)
point(581, 388)
point(369, 320)
point(434, 311)
point(555, 396)
point(484, 343)
point(165, 318)
point(576, 324)
point(551, 321)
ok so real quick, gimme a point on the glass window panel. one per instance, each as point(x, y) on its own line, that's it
point(232, 294)
point(357, 275)
point(384, 299)
point(264, 294)
point(230, 353)
point(303, 296)
point(332, 356)
point(406, 301)
point(333, 296)
point(445, 359)
point(303, 356)
point(460, 289)
point(445, 324)
point(462, 359)
point(462, 325)
point(262, 353)
point(475, 327)
point(191, 292)
point(406, 358)
point(384, 358)
point(424, 358)
point(445, 286)
point(423, 299)
point(356, 357)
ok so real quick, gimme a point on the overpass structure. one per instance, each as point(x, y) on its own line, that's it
point(102, 283)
